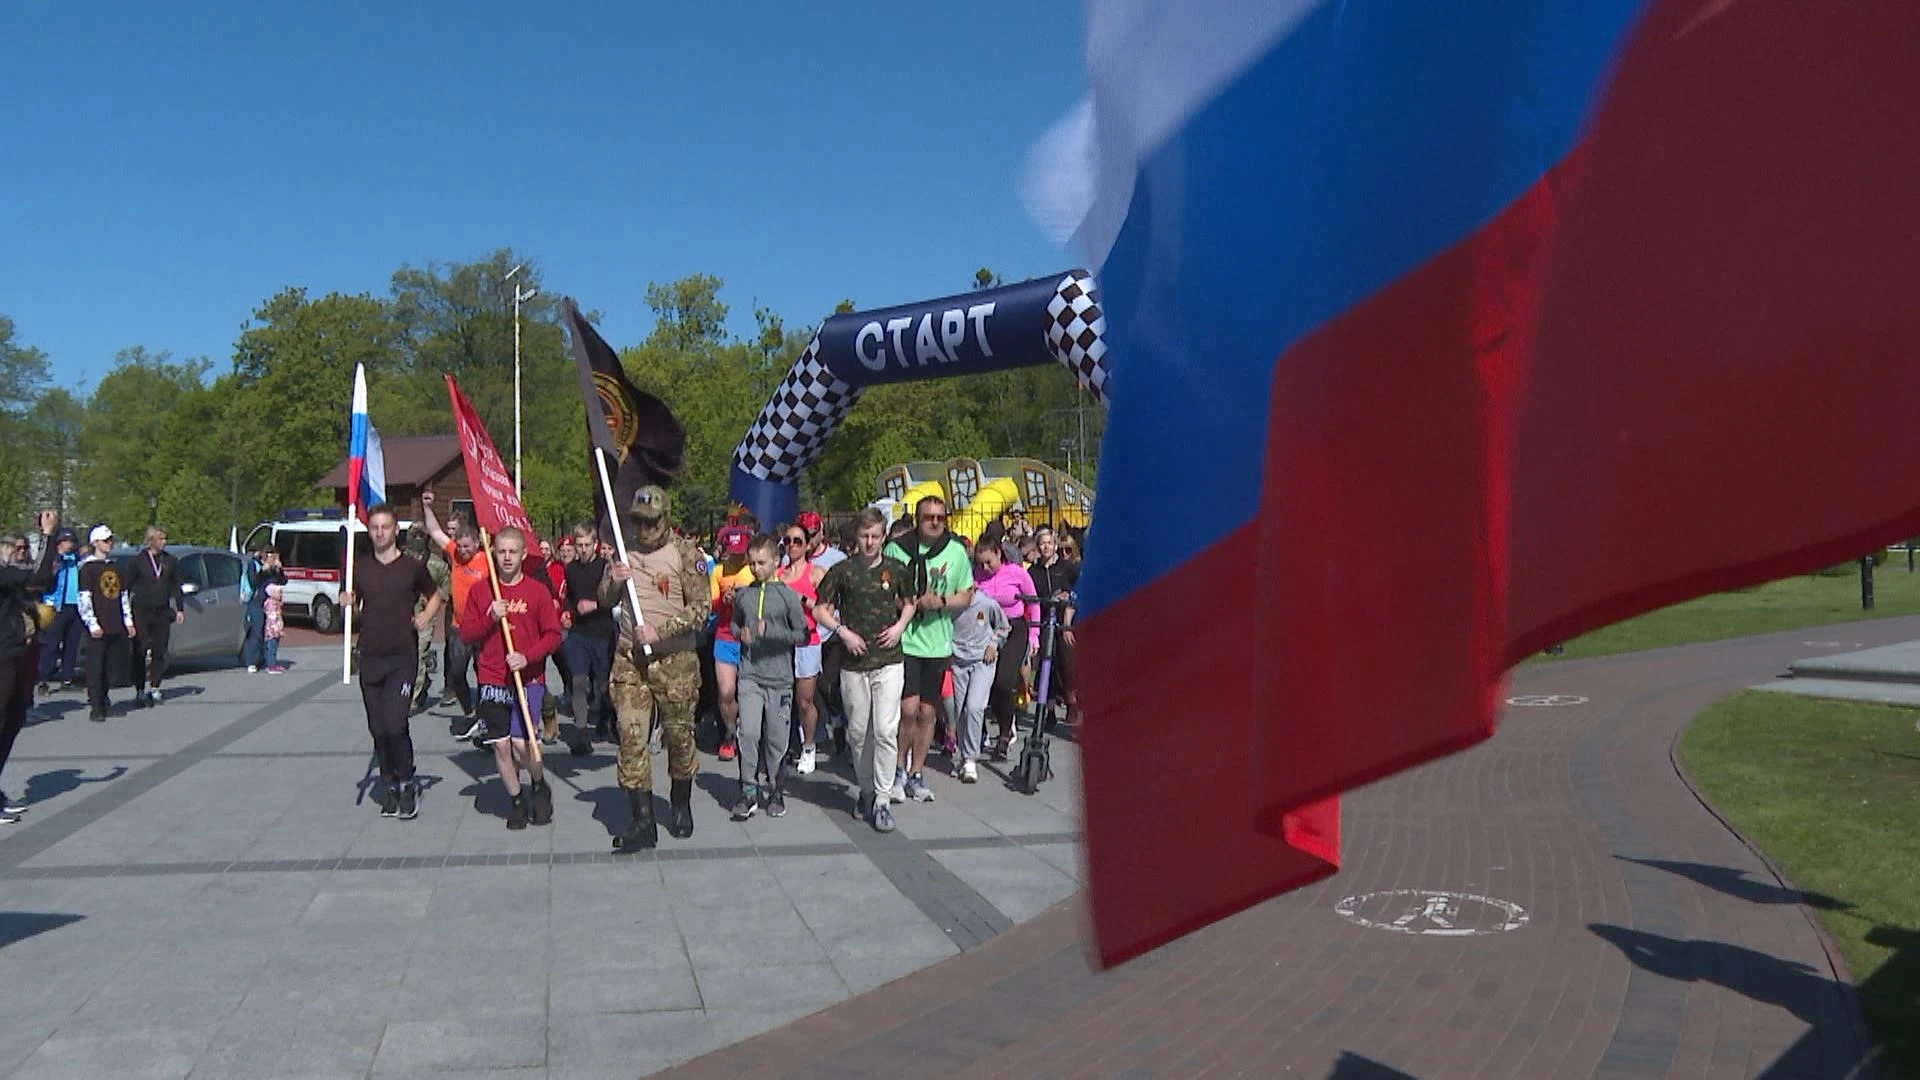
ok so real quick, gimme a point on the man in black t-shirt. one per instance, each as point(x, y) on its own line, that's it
point(589, 641)
point(388, 585)
point(107, 610)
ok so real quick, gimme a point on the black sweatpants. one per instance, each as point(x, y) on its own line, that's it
point(16, 687)
point(1006, 678)
point(386, 689)
point(152, 632)
point(102, 653)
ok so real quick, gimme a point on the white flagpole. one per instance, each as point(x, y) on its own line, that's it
point(346, 610)
point(619, 538)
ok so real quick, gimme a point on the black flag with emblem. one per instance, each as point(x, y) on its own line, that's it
point(643, 439)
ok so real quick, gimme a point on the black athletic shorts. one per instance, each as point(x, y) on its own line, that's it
point(924, 677)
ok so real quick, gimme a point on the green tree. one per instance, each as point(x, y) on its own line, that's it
point(194, 509)
point(23, 371)
point(284, 419)
point(134, 439)
point(52, 427)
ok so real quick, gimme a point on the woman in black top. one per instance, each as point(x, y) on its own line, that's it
point(21, 586)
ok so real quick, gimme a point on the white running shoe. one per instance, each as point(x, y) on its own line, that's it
point(969, 774)
point(807, 763)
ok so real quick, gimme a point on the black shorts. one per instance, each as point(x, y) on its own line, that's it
point(924, 677)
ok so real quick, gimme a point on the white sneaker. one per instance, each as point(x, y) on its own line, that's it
point(253, 669)
point(807, 763)
point(898, 792)
point(969, 774)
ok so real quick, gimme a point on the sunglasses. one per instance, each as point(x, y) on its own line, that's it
point(933, 517)
point(796, 541)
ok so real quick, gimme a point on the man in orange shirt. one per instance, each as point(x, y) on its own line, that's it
point(467, 563)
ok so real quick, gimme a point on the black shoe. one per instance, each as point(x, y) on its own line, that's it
point(542, 803)
point(517, 813)
point(641, 832)
point(840, 740)
point(409, 801)
point(420, 705)
point(776, 804)
point(680, 825)
point(98, 714)
point(390, 801)
point(746, 807)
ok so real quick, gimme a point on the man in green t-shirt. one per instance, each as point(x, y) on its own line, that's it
point(941, 577)
point(865, 604)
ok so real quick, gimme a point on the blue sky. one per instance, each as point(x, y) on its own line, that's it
point(168, 167)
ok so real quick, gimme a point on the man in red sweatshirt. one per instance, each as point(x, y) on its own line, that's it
point(525, 612)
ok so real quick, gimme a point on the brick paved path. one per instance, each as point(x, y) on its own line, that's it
point(1655, 944)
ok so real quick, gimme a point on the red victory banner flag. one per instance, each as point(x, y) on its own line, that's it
point(496, 504)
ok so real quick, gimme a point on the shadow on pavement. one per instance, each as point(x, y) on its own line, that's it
point(57, 782)
point(1824, 1050)
point(18, 926)
point(1736, 883)
point(1352, 1066)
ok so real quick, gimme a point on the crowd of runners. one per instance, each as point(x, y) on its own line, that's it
point(884, 643)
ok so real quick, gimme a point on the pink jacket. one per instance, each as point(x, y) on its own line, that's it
point(1006, 586)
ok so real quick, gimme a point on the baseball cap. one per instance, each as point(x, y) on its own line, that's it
point(734, 540)
point(62, 534)
point(649, 502)
point(99, 533)
point(809, 521)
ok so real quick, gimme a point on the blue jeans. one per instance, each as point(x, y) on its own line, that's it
point(273, 651)
point(255, 645)
point(60, 649)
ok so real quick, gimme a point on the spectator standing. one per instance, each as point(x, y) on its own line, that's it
point(153, 583)
point(21, 585)
point(61, 645)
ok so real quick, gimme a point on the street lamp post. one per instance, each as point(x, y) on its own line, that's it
point(518, 296)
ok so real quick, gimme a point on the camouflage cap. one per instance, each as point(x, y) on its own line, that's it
point(649, 503)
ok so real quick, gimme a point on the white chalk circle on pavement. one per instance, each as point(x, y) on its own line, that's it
point(1432, 913)
point(1545, 701)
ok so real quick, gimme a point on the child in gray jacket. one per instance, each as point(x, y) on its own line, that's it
point(978, 633)
point(769, 621)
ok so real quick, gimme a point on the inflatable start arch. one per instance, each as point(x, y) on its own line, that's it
point(1054, 319)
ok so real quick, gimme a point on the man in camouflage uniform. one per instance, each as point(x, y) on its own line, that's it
point(443, 582)
point(662, 687)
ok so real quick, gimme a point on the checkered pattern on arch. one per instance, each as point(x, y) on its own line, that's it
point(787, 435)
point(1076, 332)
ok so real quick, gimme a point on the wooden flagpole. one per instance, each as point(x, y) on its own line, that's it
point(506, 632)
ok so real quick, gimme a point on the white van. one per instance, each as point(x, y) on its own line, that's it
point(312, 546)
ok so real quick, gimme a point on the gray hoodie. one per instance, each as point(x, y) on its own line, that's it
point(980, 625)
point(768, 659)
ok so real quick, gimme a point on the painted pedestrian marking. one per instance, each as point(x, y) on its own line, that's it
point(1432, 912)
point(1546, 700)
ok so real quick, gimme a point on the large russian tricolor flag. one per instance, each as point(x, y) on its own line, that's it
point(1443, 331)
point(366, 462)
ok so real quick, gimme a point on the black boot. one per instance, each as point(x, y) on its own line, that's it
point(681, 824)
point(517, 813)
point(641, 832)
point(542, 803)
point(582, 744)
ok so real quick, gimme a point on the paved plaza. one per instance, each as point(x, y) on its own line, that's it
point(207, 890)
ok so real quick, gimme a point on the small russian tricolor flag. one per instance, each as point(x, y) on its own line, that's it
point(366, 464)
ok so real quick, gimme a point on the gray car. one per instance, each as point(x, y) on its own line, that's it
point(216, 622)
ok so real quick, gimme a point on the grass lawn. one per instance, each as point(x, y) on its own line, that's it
point(1782, 605)
point(1830, 790)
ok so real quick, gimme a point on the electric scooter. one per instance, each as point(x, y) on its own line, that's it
point(1036, 762)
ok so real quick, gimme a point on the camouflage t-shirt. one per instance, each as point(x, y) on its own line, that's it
point(868, 599)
